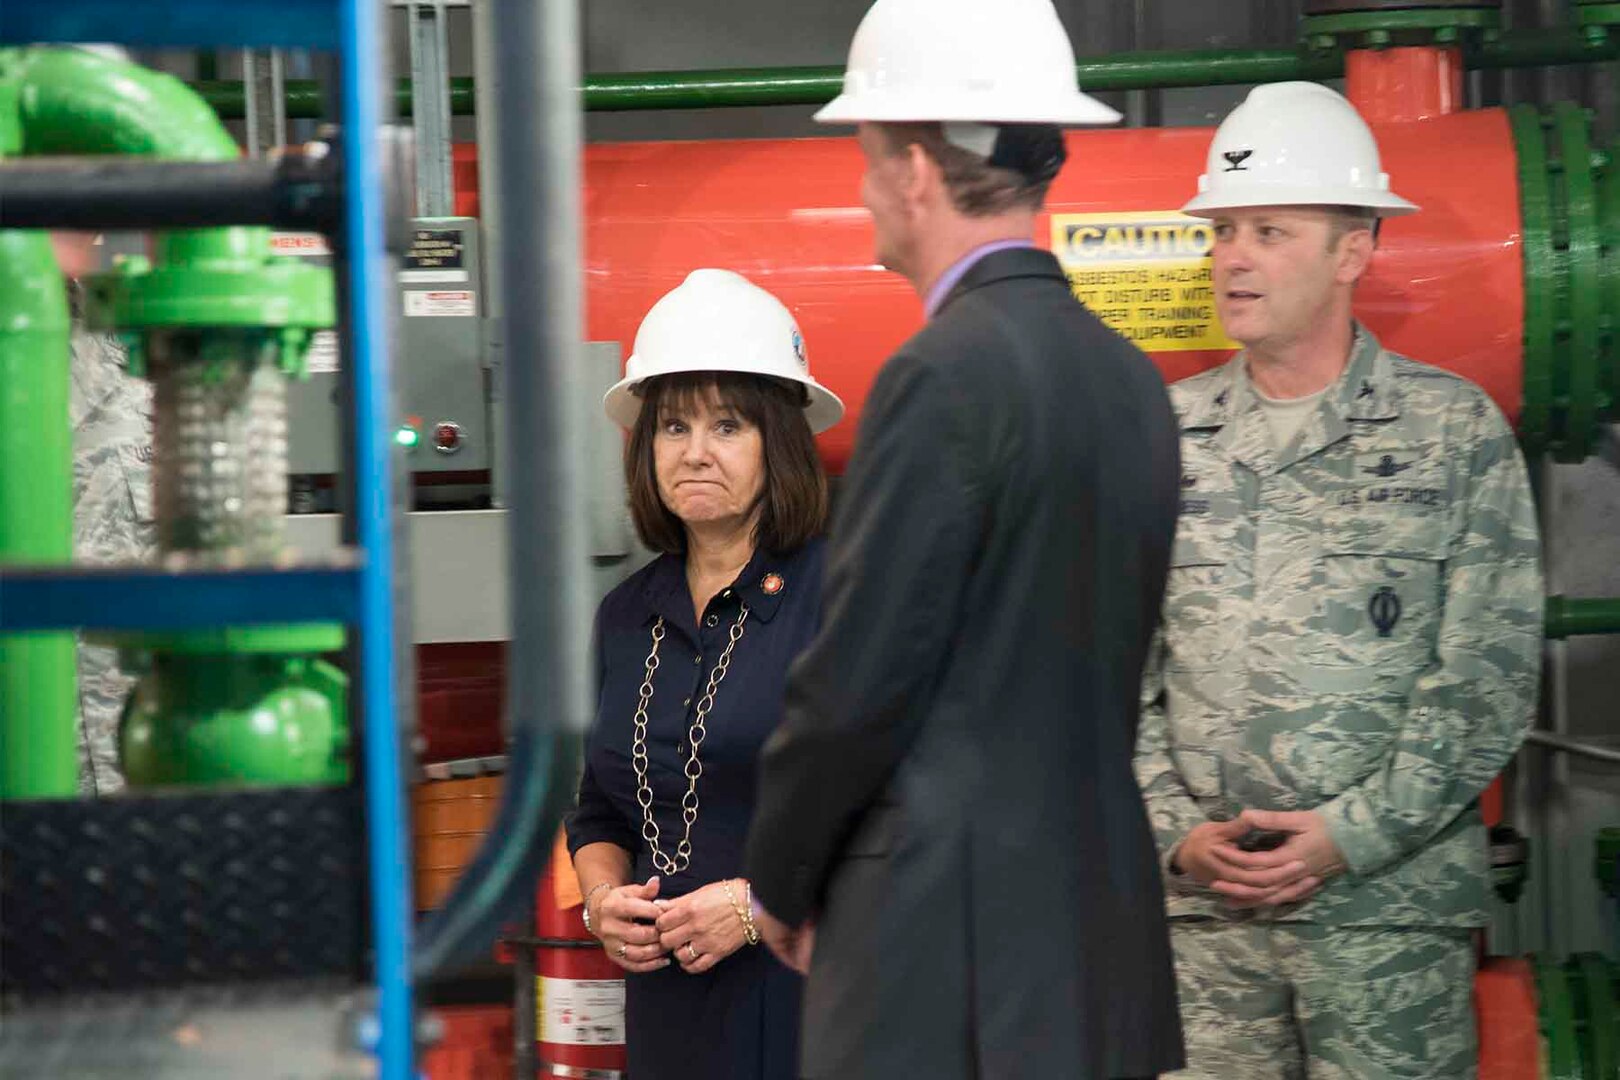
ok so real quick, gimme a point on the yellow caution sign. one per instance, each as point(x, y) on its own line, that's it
point(1146, 275)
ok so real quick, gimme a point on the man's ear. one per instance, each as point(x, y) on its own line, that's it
point(1355, 255)
point(924, 182)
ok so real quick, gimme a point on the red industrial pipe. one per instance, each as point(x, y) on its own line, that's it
point(1390, 86)
point(1446, 287)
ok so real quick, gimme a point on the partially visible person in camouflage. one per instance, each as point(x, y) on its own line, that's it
point(111, 413)
point(1351, 640)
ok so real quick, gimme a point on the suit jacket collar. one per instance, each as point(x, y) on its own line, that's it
point(1024, 262)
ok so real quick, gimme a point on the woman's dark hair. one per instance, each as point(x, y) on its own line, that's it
point(793, 504)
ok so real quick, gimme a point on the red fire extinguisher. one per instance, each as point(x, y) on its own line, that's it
point(579, 992)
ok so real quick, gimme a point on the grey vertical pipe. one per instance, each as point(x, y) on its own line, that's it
point(536, 59)
point(297, 64)
point(264, 85)
point(1143, 108)
point(1554, 803)
point(430, 108)
point(488, 101)
point(525, 1001)
point(255, 90)
point(1560, 82)
point(1610, 450)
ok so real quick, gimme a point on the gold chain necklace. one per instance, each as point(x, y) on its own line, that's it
point(663, 863)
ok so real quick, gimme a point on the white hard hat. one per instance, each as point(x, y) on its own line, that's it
point(985, 61)
point(1295, 144)
point(717, 320)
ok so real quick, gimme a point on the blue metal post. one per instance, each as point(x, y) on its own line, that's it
point(263, 24)
point(370, 285)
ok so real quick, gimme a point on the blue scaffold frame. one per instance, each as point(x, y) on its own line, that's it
point(362, 594)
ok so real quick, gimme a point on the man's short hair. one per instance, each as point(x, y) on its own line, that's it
point(977, 188)
point(1344, 220)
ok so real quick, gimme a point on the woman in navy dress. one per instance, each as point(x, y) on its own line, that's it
point(692, 653)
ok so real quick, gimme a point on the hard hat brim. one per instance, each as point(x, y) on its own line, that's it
point(623, 405)
point(1385, 204)
point(891, 108)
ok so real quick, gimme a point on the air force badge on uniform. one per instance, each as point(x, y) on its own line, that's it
point(1387, 467)
point(1190, 503)
point(1385, 610)
point(1391, 478)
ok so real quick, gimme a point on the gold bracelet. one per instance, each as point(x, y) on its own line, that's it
point(748, 907)
point(750, 934)
point(585, 908)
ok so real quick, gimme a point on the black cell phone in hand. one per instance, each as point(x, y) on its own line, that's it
point(1262, 839)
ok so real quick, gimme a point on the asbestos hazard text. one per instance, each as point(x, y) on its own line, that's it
point(1147, 275)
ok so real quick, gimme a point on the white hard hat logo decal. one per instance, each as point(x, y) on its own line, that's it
point(1236, 158)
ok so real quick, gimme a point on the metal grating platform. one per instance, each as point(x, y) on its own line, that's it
point(166, 890)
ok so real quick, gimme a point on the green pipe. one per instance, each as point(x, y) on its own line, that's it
point(1569, 198)
point(1542, 48)
point(817, 85)
point(304, 100)
point(268, 721)
point(77, 102)
point(67, 101)
point(1567, 617)
point(725, 88)
point(38, 674)
point(1578, 1014)
point(211, 290)
point(734, 87)
point(1206, 67)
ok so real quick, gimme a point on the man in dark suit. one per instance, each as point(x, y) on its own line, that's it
point(949, 839)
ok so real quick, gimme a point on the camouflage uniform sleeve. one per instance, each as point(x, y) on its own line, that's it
point(112, 523)
point(1171, 809)
point(1470, 709)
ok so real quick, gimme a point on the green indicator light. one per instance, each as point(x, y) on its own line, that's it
point(407, 437)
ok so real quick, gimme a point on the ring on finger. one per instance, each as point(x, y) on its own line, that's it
point(623, 948)
point(691, 953)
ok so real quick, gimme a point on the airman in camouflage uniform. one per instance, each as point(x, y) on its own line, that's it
point(112, 522)
point(1350, 654)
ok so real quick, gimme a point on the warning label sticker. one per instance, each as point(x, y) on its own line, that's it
point(435, 249)
point(580, 1012)
point(436, 255)
point(1147, 275)
point(440, 303)
point(306, 244)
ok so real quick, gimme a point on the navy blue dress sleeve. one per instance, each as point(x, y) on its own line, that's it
point(595, 819)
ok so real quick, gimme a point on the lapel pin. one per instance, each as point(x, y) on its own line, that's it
point(772, 584)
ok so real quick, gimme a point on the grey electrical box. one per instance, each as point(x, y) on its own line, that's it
point(441, 387)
